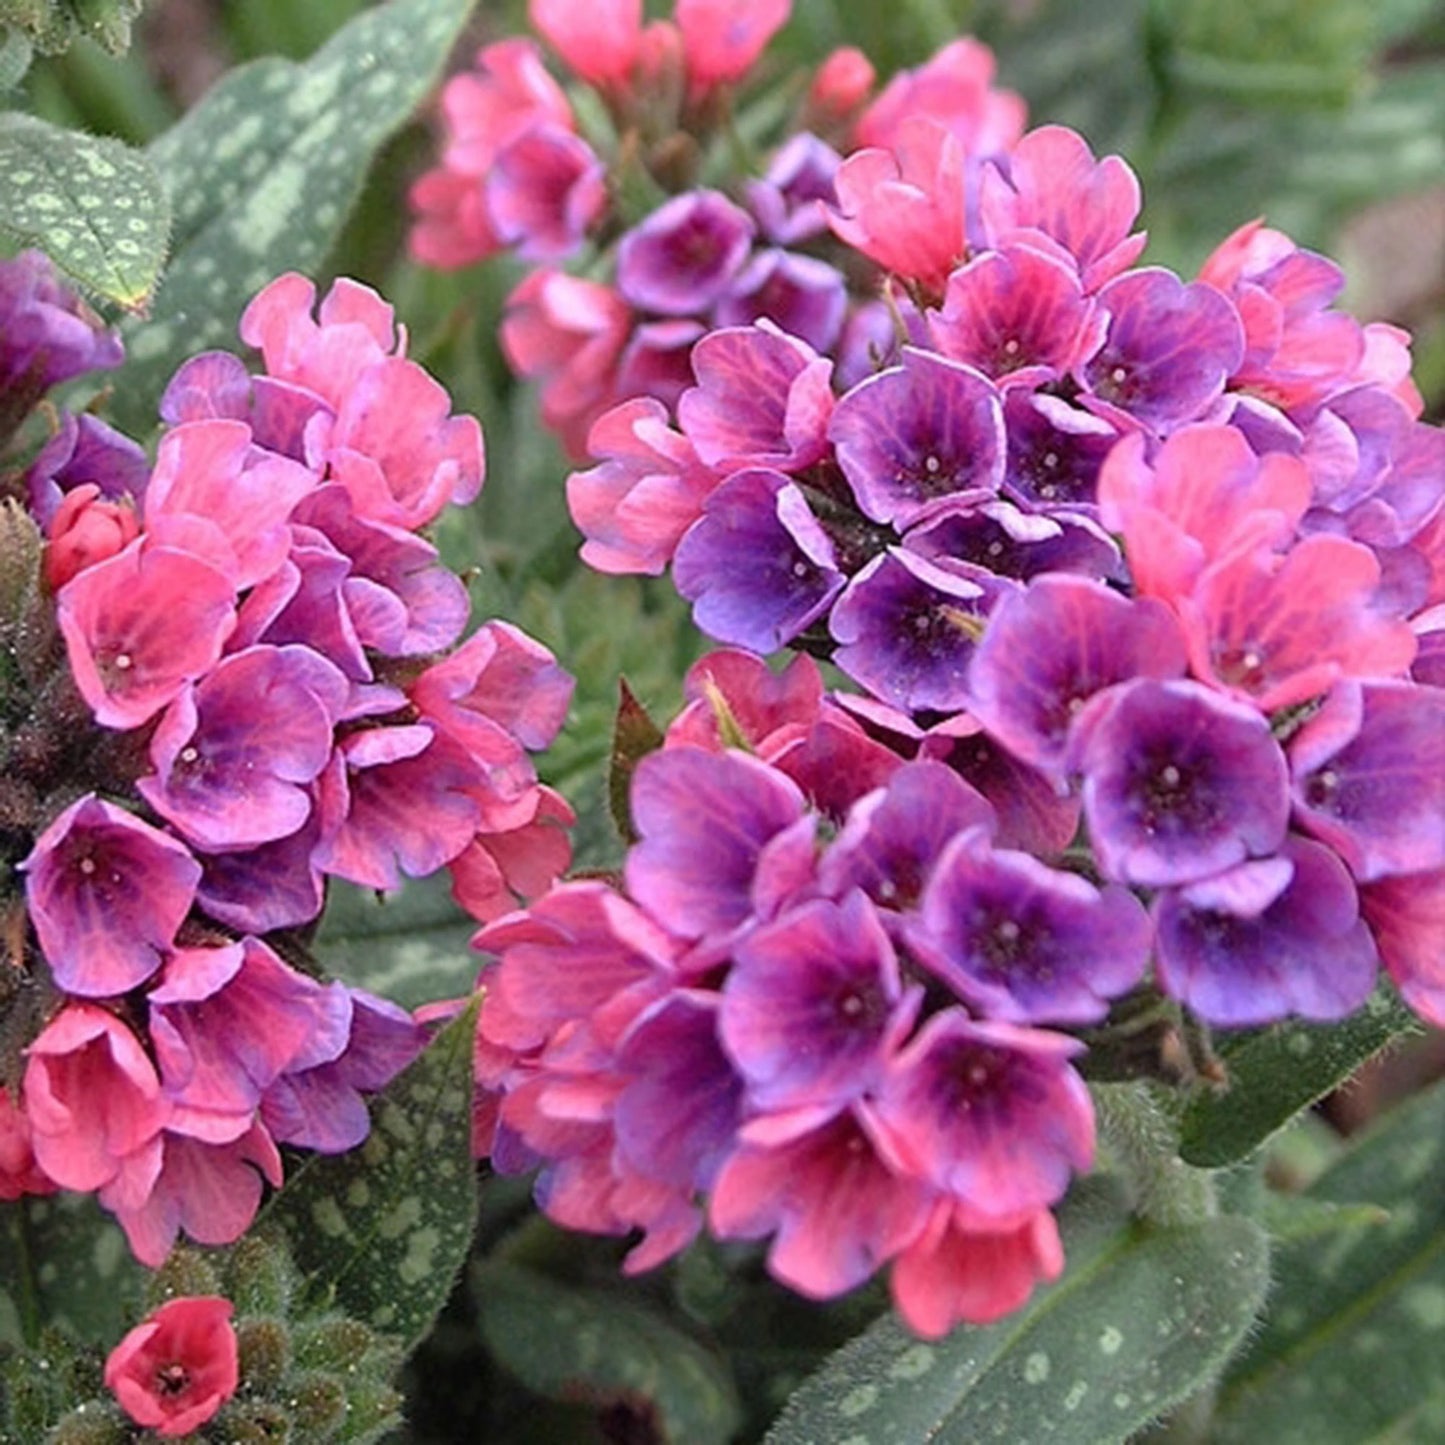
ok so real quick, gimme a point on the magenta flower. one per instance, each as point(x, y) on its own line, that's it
point(762, 399)
point(682, 258)
point(1023, 942)
point(1179, 782)
point(235, 754)
point(1369, 777)
point(1019, 316)
point(705, 821)
point(106, 893)
point(544, 191)
point(787, 202)
point(142, 624)
point(176, 1368)
point(990, 1112)
point(813, 1005)
point(1054, 451)
point(1050, 187)
point(837, 1209)
point(1406, 915)
point(917, 434)
point(995, 536)
point(802, 295)
point(1278, 936)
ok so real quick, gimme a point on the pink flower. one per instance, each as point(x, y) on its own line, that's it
point(904, 207)
point(954, 88)
point(176, 1368)
point(19, 1173)
point(86, 529)
point(599, 39)
point(142, 624)
point(721, 39)
point(841, 85)
point(94, 1103)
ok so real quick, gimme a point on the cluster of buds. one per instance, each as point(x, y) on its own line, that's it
point(683, 256)
point(221, 687)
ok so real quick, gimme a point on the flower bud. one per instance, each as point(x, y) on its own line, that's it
point(84, 531)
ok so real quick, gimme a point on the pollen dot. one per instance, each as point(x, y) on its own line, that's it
point(1008, 931)
point(977, 1074)
point(931, 465)
point(1011, 347)
point(1170, 776)
point(1252, 660)
point(189, 755)
point(122, 662)
point(1118, 374)
point(995, 549)
point(87, 866)
point(1051, 459)
point(800, 569)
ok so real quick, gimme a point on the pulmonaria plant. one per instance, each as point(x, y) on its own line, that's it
point(1143, 577)
point(634, 198)
point(227, 678)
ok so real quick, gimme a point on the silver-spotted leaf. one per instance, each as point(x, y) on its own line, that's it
point(95, 206)
point(65, 1263)
point(1277, 1072)
point(1350, 1349)
point(568, 1342)
point(264, 171)
point(383, 1230)
point(1141, 1318)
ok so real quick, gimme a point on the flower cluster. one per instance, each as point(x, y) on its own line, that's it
point(517, 173)
point(1179, 548)
point(220, 690)
point(824, 999)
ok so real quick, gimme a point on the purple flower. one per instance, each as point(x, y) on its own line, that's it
point(705, 820)
point(677, 1117)
point(1369, 776)
point(106, 894)
point(1268, 938)
point(916, 434)
point(1018, 316)
point(804, 296)
point(991, 1112)
point(1179, 782)
point(227, 1022)
point(260, 889)
point(1051, 647)
point(891, 838)
point(907, 628)
point(1169, 349)
point(680, 260)
point(757, 566)
point(395, 800)
point(787, 200)
point(1026, 943)
point(85, 451)
point(316, 1103)
point(995, 536)
point(762, 399)
point(47, 335)
point(1054, 451)
point(813, 1005)
point(235, 754)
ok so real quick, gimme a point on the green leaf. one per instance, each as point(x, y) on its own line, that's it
point(15, 53)
point(634, 735)
point(95, 206)
point(568, 1342)
point(1141, 1319)
point(1292, 1217)
point(66, 1264)
point(1350, 1350)
point(413, 947)
point(382, 1231)
point(1277, 1072)
point(263, 172)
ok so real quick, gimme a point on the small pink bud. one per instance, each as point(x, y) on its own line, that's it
point(86, 530)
